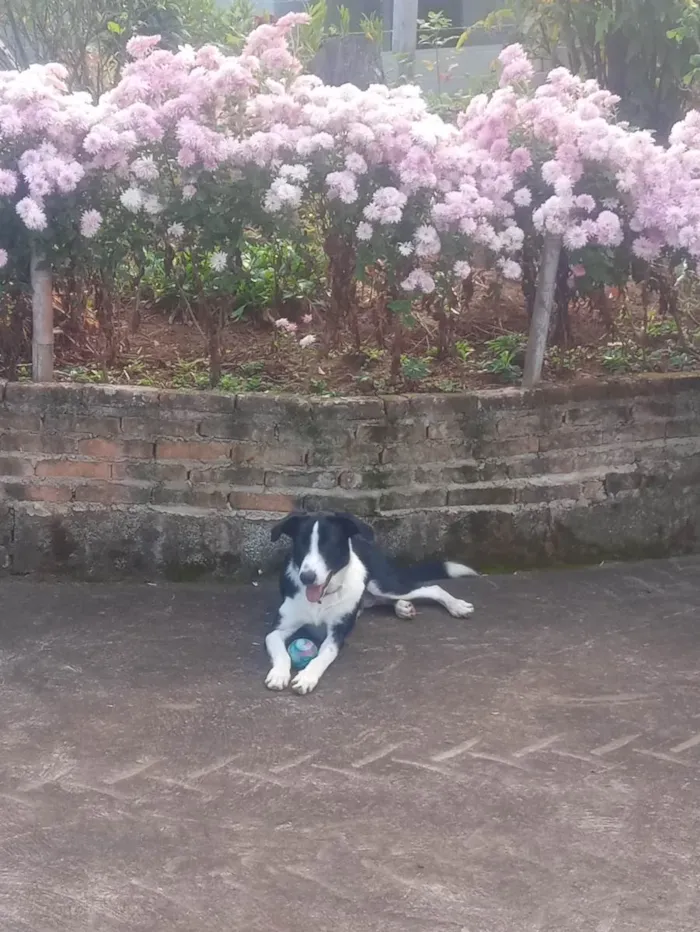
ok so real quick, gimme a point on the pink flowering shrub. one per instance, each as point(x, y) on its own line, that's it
point(42, 127)
point(194, 149)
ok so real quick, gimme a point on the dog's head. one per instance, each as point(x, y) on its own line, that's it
point(320, 546)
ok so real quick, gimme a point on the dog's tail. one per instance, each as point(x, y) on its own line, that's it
point(431, 571)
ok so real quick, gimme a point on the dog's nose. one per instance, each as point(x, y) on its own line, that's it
point(307, 578)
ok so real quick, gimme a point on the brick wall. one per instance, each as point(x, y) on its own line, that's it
point(102, 480)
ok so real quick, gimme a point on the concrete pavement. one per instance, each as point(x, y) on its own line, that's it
point(533, 769)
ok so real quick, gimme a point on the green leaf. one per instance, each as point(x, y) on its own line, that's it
point(401, 306)
point(115, 28)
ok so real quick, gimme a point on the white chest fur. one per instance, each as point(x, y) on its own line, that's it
point(342, 597)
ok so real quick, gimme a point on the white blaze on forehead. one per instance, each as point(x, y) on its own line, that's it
point(313, 562)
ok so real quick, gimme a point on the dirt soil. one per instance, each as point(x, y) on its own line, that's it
point(167, 352)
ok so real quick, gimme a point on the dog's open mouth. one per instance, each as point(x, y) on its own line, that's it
point(316, 593)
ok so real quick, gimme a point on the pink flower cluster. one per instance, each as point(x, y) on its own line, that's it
point(189, 134)
point(603, 183)
point(42, 126)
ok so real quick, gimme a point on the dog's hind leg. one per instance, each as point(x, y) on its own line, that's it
point(404, 609)
point(403, 600)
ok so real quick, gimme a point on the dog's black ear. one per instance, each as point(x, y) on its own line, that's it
point(352, 525)
point(288, 526)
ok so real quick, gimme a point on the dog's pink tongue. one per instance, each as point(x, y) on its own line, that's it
point(314, 593)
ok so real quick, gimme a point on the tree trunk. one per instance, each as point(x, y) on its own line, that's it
point(562, 327)
point(542, 311)
point(42, 317)
point(341, 272)
point(104, 310)
point(213, 325)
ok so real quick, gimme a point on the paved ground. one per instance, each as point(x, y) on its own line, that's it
point(534, 769)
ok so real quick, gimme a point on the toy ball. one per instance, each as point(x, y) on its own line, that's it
point(302, 652)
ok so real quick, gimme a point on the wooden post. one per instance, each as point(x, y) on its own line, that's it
point(542, 310)
point(404, 34)
point(42, 317)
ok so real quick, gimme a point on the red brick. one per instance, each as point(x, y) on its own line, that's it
point(79, 469)
point(412, 498)
point(14, 466)
point(347, 453)
point(422, 454)
point(281, 408)
point(171, 428)
point(243, 500)
point(554, 462)
point(236, 427)
point(116, 449)
point(526, 424)
point(228, 475)
point(197, 497)
point(408, 431)
point(443, 475)
point(548, 492)
point(16, 420)
point(599, 415)
point(148, 471)
point(50, 493)
point(71, 398)
point(494, 471)
point(44, 442)
point(649, 430)
point(498, 449)
point(614, 482)
point(304, 478)
point(203, 452)
point(480, 495)
point(438, 407)
point(185, 403)
point(344, 409)
point(97, 426)
point(113, 493)
point(268, 454)
point(38, 492)
point(442, 430)
point(683, 427)
point(359, 503)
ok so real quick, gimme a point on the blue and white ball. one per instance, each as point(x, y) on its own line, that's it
point(302, 652)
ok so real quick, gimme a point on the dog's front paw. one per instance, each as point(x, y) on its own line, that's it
point(460, 609)
point(304, 682)
point(278, 678)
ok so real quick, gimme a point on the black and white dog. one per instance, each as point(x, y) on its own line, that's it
point(334, 563)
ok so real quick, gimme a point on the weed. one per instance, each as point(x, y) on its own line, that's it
point(504, 367)
point(507, 343)
point(566, 360)
point(463, 349)
point(661, 326)
point(253, 368)
point(413, 369)
point(320, 387)
point(449, 386)
point(190, 374)
point(621, 358)
point(85, 375)
point(504, 356)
